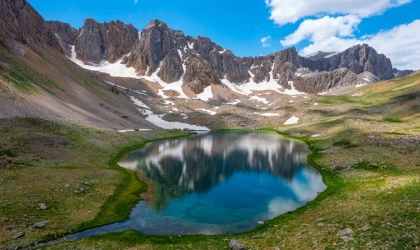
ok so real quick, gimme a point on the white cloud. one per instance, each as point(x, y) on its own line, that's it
point(330, 25)
point(401, 44)
point(323, 28)
point(290, 11)
point(266, 41)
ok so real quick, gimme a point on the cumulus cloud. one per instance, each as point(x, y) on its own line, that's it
point(266, 41)
point(401, 44)
point(290, 11)
point(323, 28)
point(331, 25)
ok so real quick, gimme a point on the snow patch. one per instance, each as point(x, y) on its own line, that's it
point(236, 102)
point(138, 102)
point(292, 120)
point(333, 54)
point(113, 69)
point(207, 111)
point(267, 114)
point(158, 121)
point(133, 130)
point(259, 99)
point(206, 95)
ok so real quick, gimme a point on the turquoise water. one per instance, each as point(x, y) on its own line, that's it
point(217, 183)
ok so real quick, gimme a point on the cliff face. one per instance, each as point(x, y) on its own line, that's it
point(19, 22)
point(67, 33)
point(104, 41)
point(201, 62)
point(358, 59)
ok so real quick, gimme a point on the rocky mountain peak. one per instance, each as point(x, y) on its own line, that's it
point(105, 41)
point(21, 23)
point(156, 24)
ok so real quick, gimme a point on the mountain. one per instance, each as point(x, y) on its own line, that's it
point(37, 79)
point(401, 73)
point(199, 62)
point(19, 22)
point(169, 57)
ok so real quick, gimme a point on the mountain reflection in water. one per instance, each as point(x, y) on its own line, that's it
point(217, 183)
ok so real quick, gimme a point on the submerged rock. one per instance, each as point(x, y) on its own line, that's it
point(236, 245)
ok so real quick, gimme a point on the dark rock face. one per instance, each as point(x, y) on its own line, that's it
point(200, 62)
point(105, 41)
point(401, 73)
point(67, 33)
point(358, 59)
point(321, 81)
point(205, 63)
point(19, 22)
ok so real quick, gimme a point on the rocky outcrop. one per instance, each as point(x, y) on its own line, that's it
point(358, 59)
point(19, 22)
point(401, 73)
point(199, 62)
point(65, 34)
point(105, 41)
point(317, 82)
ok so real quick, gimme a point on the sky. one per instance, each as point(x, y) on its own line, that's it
point(260, 27)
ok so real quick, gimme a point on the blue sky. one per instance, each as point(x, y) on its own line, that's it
point(240, 25)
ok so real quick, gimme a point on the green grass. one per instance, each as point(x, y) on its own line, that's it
point(18, 81)
point(56, 155)
point(392, 119)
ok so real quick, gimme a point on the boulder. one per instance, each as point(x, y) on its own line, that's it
point(236, 245)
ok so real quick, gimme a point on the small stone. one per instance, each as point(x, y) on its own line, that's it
point(320, 224)
point(337, 167)
point(40, 224)
point(18, 235)
point(367, 227)
point(236, 245)
point(345, 232)
point(43, 206)
point(260, 222)
point(67, 185)
point(347, 238)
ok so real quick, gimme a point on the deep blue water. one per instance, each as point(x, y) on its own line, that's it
point(217, 183)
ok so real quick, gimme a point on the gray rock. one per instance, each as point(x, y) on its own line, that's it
point(337, 166)
point(236, 245)
point(347, 238)
point(20, 22)
point(43, 206)
point(105, 41)
point(40, 225)
point(320, 224)
point(18, 235)
point(346, 231)
point(366, 227)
